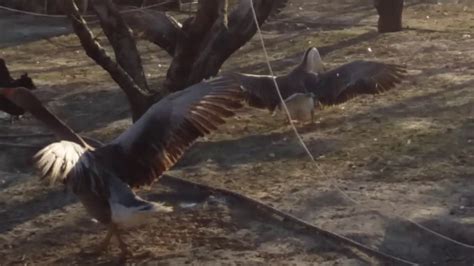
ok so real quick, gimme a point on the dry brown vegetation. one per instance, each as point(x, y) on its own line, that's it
point(407, 152)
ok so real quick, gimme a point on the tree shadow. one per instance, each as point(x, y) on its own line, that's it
point(19, 28)
point(103, 107)
point(56, 69)
point(16, 214)
point(407, 240)
point(254, 148)
point(258, 146)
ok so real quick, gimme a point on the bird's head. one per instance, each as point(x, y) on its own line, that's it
point(312, 61)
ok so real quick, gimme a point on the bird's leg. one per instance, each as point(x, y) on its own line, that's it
point(122, 245)
point(105, 243)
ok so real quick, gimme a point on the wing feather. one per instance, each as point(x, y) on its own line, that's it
point(359, 77)
point(162, 135)
point(57, 160)
point(261, 92)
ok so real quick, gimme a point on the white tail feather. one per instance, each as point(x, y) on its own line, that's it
point(56, 160)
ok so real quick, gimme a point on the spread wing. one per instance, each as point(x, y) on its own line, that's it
point(359, 77)
point(260, 90)
point(160, 137)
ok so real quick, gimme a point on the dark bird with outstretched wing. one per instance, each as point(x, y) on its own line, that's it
point(329, 87)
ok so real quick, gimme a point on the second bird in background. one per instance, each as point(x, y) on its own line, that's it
point(329, 87)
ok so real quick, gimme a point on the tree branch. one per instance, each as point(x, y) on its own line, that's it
point(207, 41)
point(188, 45)
point(121, 38)
point(139, 102)
point(156, 27)
point(220, 43)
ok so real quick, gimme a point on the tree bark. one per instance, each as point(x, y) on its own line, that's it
point(121, 38)
point(390, 15)
point(199, 47)
point(139, 102)
point(156, 27)
point(207, 41)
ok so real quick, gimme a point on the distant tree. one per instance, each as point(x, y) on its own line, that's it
point(198, 47)
point(390, 15)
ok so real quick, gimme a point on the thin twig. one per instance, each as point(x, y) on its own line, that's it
point(288, 219)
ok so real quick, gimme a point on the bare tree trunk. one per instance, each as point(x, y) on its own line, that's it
point(188, 45)
point(199, 47)
point(83, 5)
point(390, 15)
point(139, 102)
point(121, 39)
point(209, 39)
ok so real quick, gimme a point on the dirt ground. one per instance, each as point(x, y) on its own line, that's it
point(407, 153)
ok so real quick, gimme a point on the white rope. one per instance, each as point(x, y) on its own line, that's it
point(305, 147)
point(295, 130)
point(276, 84)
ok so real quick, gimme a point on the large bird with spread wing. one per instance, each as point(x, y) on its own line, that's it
point(102, 178)
point(328, 87)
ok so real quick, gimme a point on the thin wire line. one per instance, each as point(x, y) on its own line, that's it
point(85, 16)
point(262, 42)
point(295, 130)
